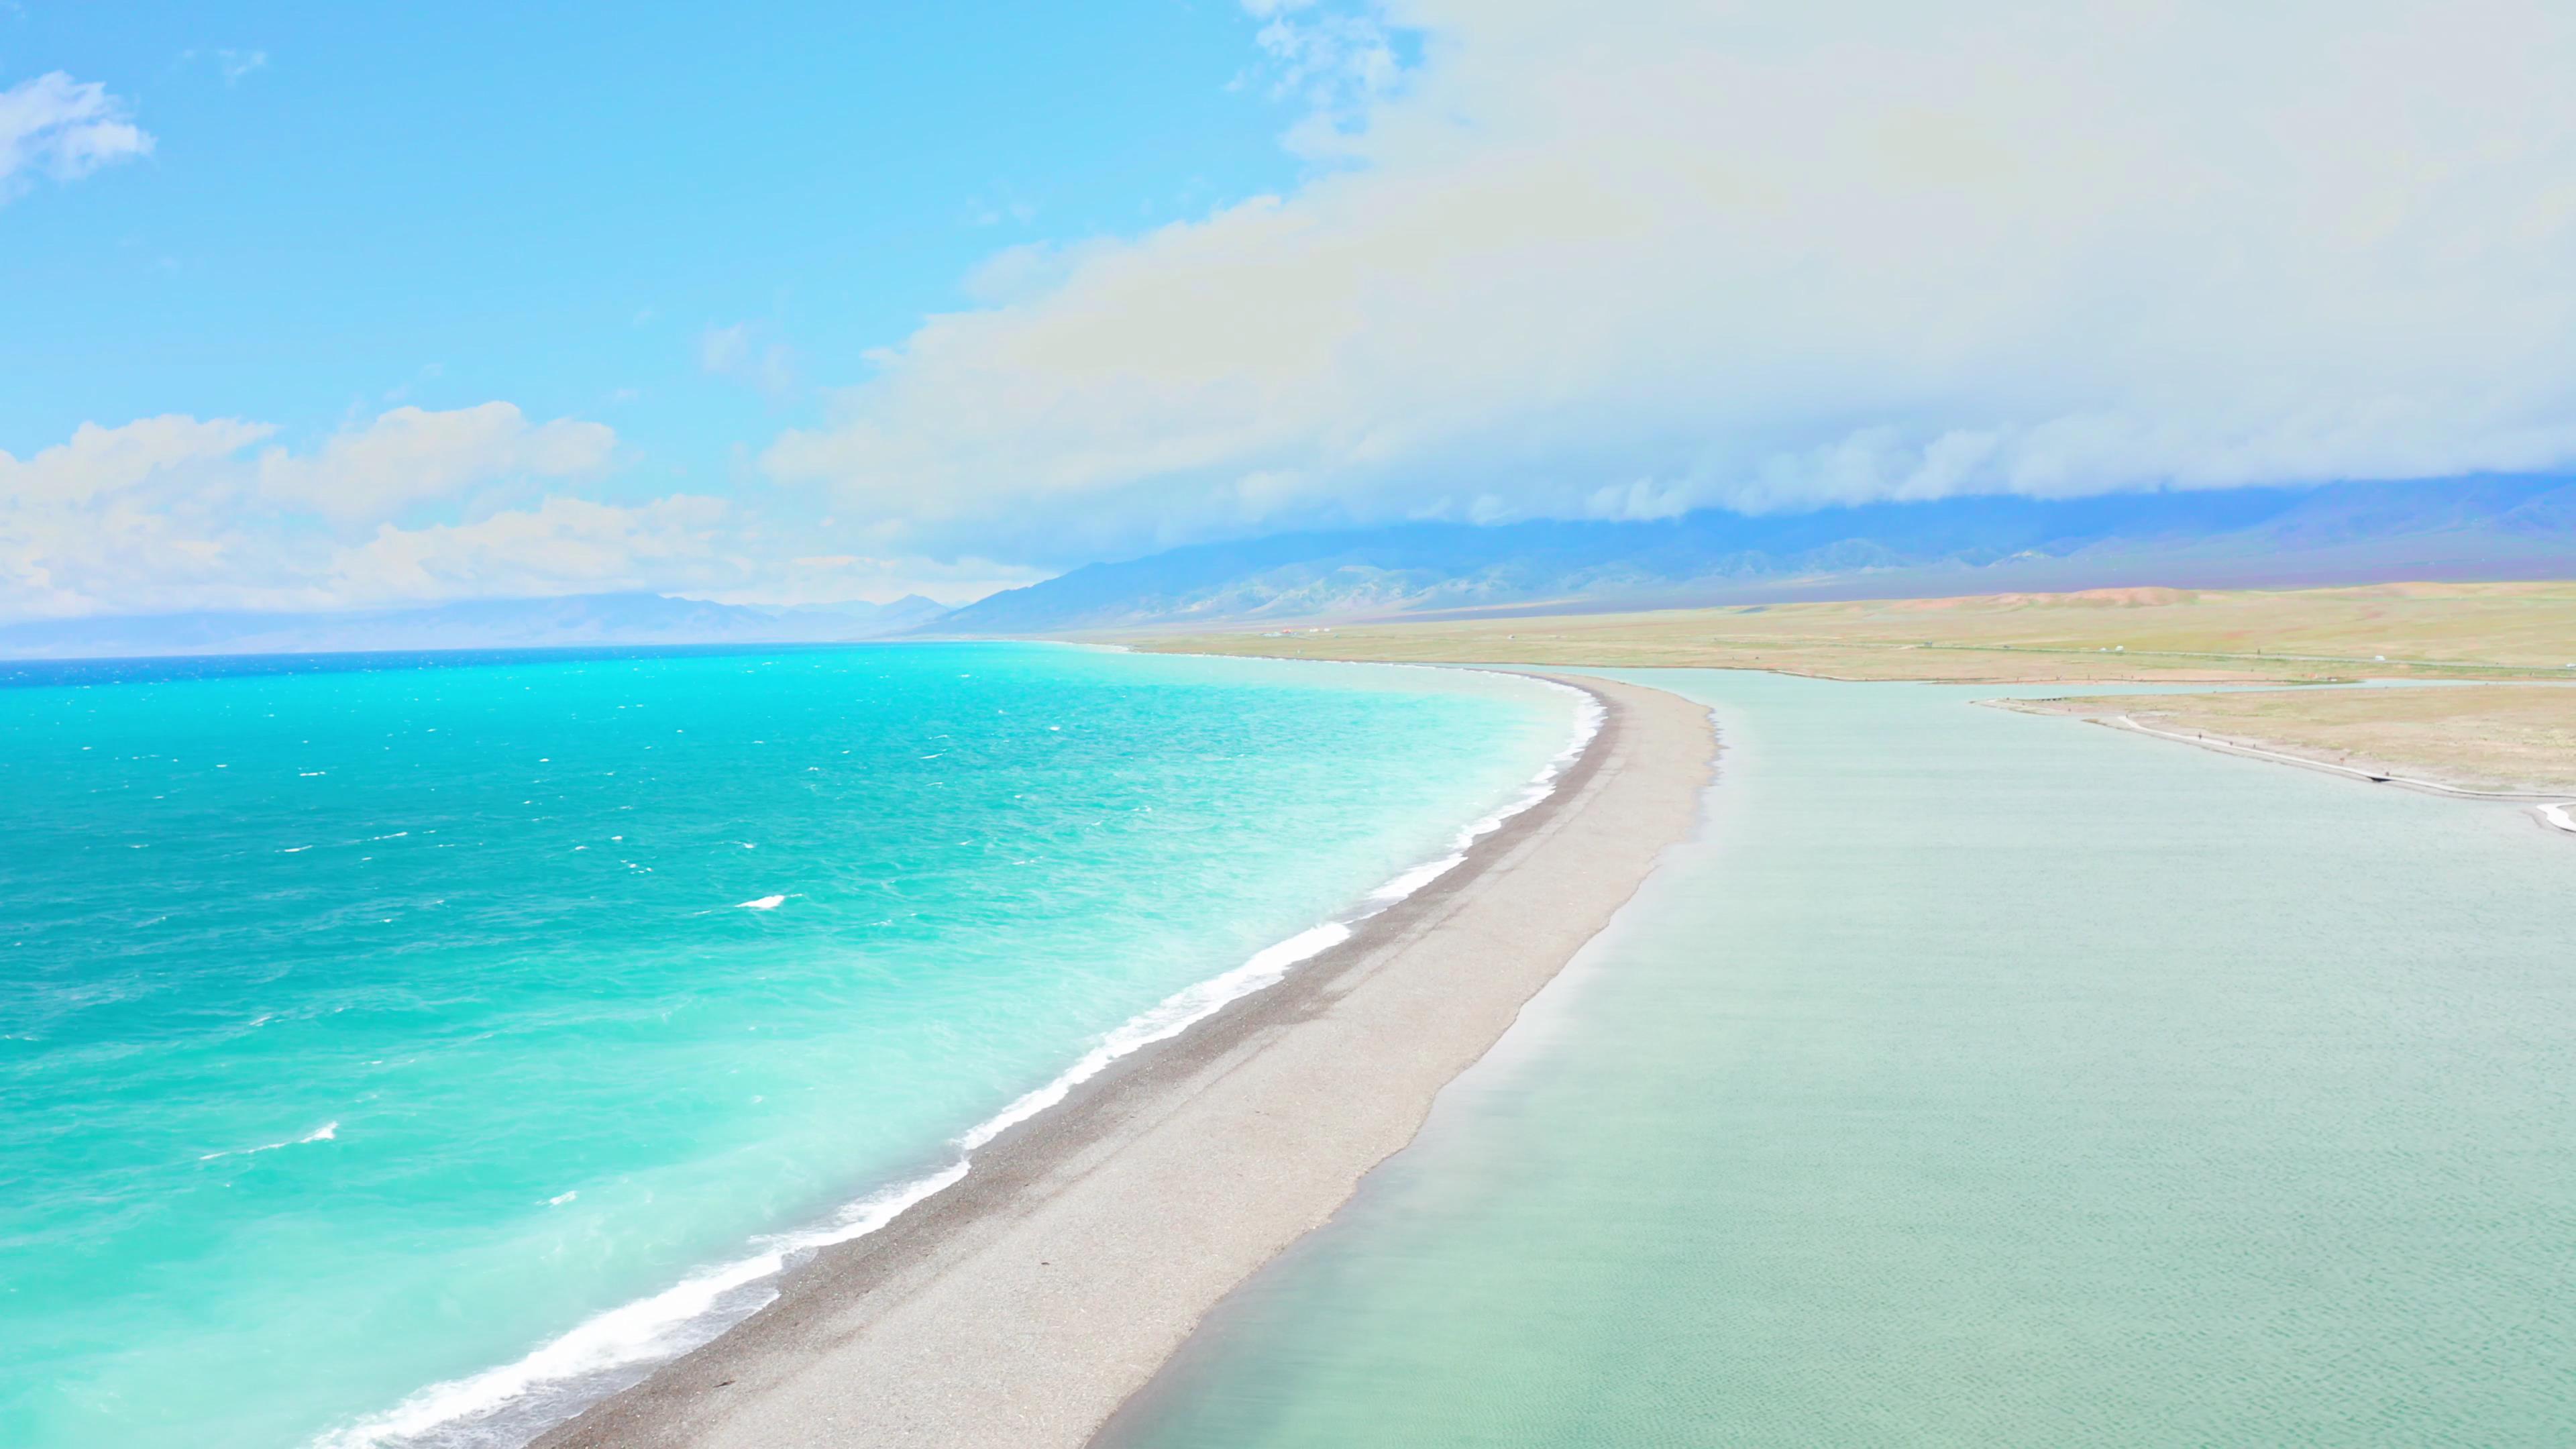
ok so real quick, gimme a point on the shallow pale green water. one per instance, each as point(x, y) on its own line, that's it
point(1979, 1080)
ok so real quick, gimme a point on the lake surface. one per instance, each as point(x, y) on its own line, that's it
point(1980, 1080)
point(396, 1050)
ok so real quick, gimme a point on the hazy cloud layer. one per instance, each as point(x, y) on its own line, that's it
point(1627, 260)
point(561, 545)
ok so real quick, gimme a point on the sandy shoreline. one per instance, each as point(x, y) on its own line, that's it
point(1021, 1306)
point(2549, 806)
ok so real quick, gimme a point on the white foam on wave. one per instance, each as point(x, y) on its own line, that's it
point(765, 903)
point(1186, 1008)
point(1175, 1014)
point(1418, 877)
point(328, 1131)
point(617, 1347)
point(1588, 717)
point(2557, 815)
point(647, 1330)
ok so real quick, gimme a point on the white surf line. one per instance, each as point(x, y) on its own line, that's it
point(2555, 814)
point(1193, 1004)
point(648, 1330)
point(654, 1330)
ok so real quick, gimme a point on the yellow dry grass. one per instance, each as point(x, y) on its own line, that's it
point(2412, 630)
point(2479, 737)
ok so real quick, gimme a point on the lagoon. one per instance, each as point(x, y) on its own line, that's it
point(1977, 1079)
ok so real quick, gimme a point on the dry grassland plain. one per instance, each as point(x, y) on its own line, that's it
point(2501, 737)
point(2509, 735)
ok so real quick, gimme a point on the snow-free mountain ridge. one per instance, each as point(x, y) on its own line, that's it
point(2486, 528)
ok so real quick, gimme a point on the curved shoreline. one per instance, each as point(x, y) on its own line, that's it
point(513, 1402)
point(2549, 807)
point(1022, 1304)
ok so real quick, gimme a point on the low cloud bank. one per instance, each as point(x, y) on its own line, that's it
point(1624, 261)
point(175, 513)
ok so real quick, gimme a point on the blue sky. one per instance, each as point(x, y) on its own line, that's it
point(316, 306)
point(346, 205)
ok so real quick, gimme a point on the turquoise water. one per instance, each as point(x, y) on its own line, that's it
point(370, 1029)
point(1979, 1080)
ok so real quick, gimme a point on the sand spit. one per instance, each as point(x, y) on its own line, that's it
point(1021, 1306)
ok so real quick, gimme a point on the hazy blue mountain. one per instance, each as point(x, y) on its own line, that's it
point(627, 618)
point(2342, 533)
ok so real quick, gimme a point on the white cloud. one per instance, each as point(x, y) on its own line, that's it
point(150, 507)
point(562, 545)
point(705, 546)
point(1627, 259)
point(175, 513)
point(838, 578)
point(740, 352)
point(410, 456)
point(104, 461)
point(64, 129)
point(1338, 60)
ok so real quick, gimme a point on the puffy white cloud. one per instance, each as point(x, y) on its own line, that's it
point(65, 129)
point(1633, 258)
point(102, 461)
point(151, 506)
point(410, 456)
point(175, 513)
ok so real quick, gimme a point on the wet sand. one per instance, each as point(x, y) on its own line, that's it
point(1023, 1305)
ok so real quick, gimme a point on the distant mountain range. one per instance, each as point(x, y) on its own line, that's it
point(2244, 537)
point(2482, 528)
point(629, 618)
